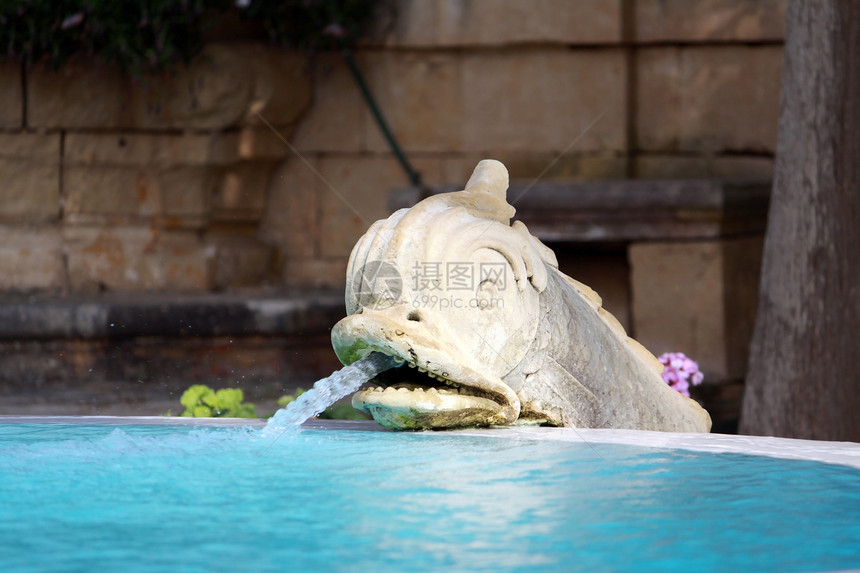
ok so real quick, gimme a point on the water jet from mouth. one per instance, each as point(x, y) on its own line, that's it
point(327, 391)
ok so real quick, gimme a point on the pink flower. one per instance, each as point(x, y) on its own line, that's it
point(679, 372)
point(683, 387)
point(671, 376)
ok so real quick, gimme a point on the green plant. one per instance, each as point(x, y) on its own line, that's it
point(150, 36)
point(201, 401)
point(137, 35)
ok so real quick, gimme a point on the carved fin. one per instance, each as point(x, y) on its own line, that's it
point(612, 322)
point(645, 355)
point(585, 291)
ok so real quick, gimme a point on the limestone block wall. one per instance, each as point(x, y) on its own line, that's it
point(109, 183)
point(185, 182)
point(592, 89)
point(177, 183)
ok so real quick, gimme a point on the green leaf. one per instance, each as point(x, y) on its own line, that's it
point(244, 411)
point(228, 398)
point(201, 412)
point(194, 395)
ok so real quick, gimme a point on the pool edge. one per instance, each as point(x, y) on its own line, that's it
point(839, 453)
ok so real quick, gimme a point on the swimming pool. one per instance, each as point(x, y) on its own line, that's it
point(132, 496)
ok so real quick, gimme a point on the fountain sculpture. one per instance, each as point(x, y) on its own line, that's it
point(485, 330)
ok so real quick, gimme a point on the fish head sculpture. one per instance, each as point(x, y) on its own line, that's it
point(486, 330)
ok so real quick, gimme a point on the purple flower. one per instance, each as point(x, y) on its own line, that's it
point(682, 386)
point(671, 376)
point(680, 372)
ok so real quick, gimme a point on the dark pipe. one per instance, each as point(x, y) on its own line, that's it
point(414, 176)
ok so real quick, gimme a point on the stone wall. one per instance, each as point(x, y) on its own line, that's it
point(176, 183)
point(593, 89)
point(107, 183)
point(185, 182)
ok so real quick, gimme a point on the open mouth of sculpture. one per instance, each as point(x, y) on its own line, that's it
point(425, 398)
point(427, 394)
point(435, 385)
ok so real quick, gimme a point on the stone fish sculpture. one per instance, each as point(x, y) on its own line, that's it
point(487, 331)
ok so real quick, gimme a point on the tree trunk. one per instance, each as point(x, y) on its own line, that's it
point(804, 375)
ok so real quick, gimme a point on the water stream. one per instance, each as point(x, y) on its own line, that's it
point(327, 391)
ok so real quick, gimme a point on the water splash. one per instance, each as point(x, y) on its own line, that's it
point(327, 391)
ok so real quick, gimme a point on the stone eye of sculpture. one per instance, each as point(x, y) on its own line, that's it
point(488, 330)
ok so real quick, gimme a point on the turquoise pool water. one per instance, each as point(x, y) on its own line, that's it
point(144, 498)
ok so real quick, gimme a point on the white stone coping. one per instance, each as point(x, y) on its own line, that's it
point(841, 453)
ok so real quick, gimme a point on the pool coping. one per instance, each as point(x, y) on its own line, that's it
point(839, 453)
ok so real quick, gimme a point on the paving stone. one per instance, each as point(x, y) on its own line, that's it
point(535, 100)
point(264, 143)
point(281, 84)
point(420, 94)
point(539, 166)
point(136, 258)
point(106, 190)
point(739, 167)
point(709, 20)
point(698, 298)
point(187, 194)
point(30, 259)
point(668, 166)
point(184, 261)
point(151, 149)
point(358, 196)
point(241, 193)
point(291, 217)
point(80, 94)
point(11, 99)
point(711, 98)
point(320, 273)
point(226, 86)
point(241, 260)
point(442, 23)
point(30, 176)
point(336, 120)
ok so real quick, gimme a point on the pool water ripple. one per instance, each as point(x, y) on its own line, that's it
point(145, 498)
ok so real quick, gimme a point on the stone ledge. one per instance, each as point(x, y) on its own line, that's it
point(630, 210)
point(116, 316)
